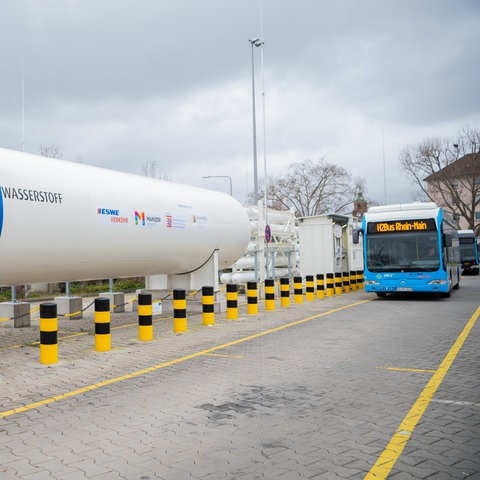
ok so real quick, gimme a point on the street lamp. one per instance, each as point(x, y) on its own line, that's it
point(222, 176)
point(255, 42)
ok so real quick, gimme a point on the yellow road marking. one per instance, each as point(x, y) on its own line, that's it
point(154, 368)
point(223, 355)
point(394, 449)
point(397, 369)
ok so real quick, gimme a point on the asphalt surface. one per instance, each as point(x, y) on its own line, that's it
point(346, 387)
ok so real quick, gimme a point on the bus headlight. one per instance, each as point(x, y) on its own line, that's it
point(437, 282)
point(371, 282)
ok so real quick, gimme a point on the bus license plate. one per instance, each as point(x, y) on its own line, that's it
point(404, 289)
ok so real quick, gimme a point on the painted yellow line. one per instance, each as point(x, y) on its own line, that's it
point(223, 355)
point(154, 368)
point(395, 447)
point(398, 369)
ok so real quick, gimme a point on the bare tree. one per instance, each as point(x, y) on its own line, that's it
point(448, 172)
point(149, 169)
point(313, 188)
point(54, 150)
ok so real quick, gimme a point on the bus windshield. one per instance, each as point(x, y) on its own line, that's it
point(467, 249)
point(403, 252)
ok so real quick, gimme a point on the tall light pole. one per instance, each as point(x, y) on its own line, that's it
point(254, 42)
point(222, 176)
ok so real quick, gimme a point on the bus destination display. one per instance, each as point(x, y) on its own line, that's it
point(395, 226)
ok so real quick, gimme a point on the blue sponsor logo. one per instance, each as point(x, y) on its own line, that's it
point(108, 211)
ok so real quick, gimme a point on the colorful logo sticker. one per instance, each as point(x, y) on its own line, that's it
point(139, 218)
point(147, 220)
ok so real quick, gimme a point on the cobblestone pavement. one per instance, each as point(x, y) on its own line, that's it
point(319, 390)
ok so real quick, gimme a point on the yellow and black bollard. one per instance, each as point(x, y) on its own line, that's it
point(360, 277)
point(179, 311)
point(353, 280)
point(330, 287)
point(208, 306)
point(102, 324)
point(309, 288)
point(48, 333)
point(320, 285)
point(145, 317)
point(269, 294)
point(346, 282)
point(338, 283)
point(232, 301)
point(297, 290)
point(285, 292)
point(252, 298)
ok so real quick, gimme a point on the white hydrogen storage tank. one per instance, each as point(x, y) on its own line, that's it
point(65, 221)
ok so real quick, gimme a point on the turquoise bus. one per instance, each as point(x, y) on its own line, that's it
point(410, 248)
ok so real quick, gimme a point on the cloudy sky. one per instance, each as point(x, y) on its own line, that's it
point(119, 83)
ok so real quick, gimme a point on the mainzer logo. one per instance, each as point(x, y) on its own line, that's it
point(141, 218)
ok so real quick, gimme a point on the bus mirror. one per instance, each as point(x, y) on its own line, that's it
point(356, 235)
point(447, 240)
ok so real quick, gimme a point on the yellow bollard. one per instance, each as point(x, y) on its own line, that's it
point(297, 290)
point(145, 317)
point(102, 324)
point(330, 288)
point(269, 294)
point(320, 285)
point(309, 288)
point(353, 280)
point(346, 282)
point(179, 311)
point(360, 277)
point(252, 298)
point(285, 292)
point(338, 283)
point(48, 333)
point(208, 306)
point(232, 301)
